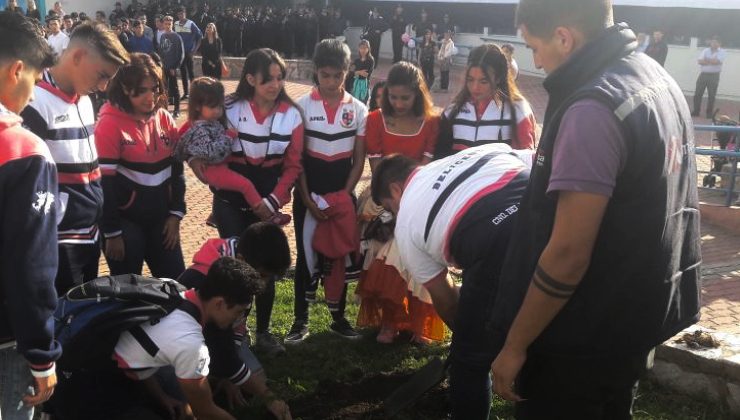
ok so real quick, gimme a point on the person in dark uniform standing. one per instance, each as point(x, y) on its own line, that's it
point(311, 34)
point(338, 24)
point(604, 263)
point(376, 25)
point(398, 28)
point(298, 25)
point(286, 33)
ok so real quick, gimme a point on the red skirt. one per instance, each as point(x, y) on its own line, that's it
point(387, 302)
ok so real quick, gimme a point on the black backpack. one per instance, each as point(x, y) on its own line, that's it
point(90, 317)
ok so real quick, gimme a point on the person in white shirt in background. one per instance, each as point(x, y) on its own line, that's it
point(508, 50)
point(444, 57)
point(710, 62)
point(57, 39)
point(643, 41)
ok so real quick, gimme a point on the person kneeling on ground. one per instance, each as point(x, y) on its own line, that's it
point(263, 246)
point(162, 369)
point(457, 211)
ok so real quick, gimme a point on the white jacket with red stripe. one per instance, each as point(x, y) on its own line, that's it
point(66, 123)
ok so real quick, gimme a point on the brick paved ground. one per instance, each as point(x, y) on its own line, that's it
point(720, 249)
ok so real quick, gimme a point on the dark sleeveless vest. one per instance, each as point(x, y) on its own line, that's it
point(643, 282)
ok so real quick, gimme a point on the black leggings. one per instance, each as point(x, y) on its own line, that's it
point(232, 221)
point(173, 90)
point(302, 275)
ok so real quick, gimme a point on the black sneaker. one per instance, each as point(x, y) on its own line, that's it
point(268, 343)
point(298, 332)
point(342, 328)
point(184, 97)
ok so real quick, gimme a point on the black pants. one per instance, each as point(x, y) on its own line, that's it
point(479, 245)
point(232, 221)
point(143, 242)
point(397, 47)
point(557, 387)
point(374, 40)
point(444, 79)
point(186, 72)
point(709, 82)
point(302, 275)
point(173, 90)
point(101, 394)
point(211, 70)
point(77, 264)
point(427, 69)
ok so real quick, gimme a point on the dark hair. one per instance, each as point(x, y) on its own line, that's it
point(130, 76)
point(233, 280)
point(406, 74)
point(331, 53)
point(21, 39)
point(369, 50)
point(204, 91)
point(394, 168)
point(102, 40)
point(259, 62)
point(507, 47)
point(541, 17)
point(374, 95)
point(490, 58)
point(264, 246)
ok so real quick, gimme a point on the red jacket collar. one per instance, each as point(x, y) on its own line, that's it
point(192, 296)
point(316, 96)
point(57, 92)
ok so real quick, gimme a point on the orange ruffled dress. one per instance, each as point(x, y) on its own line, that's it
point(389, 297)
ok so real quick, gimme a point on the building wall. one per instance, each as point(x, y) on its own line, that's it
point(681, 61)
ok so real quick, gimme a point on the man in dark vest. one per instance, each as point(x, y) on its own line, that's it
point(604, 262)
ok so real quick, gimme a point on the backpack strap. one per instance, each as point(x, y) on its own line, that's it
point(147, 343)
point(191, 309)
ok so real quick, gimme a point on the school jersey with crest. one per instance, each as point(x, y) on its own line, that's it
point(267, 151)
point(330, 136)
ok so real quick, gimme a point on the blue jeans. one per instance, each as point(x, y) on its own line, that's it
point(15, 378)
point(143, 242)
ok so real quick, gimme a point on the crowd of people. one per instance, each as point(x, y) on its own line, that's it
point(577, 258)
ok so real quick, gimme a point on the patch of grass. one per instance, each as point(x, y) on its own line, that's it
point(325, 360)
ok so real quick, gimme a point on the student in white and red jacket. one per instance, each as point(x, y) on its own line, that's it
point(62, 114)
point(333, 160)
point(28, 250)
point(266, 152)
point(489, 109)
point(144, 187)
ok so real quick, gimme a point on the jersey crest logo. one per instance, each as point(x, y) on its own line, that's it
point(348, 117)
point(61, 118)
point(43, 203)
point(165, 139)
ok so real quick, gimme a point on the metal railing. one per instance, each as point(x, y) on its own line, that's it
point(732, 157)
